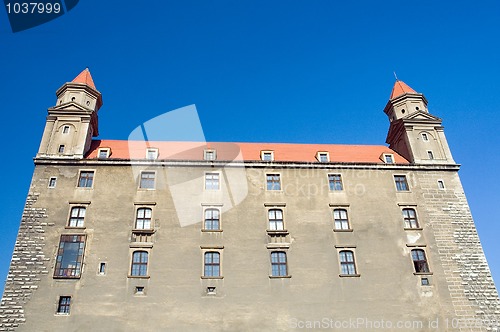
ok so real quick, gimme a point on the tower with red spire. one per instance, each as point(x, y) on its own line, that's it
point(414, 133)
point(73, 121)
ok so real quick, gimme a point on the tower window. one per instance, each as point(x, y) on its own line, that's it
point(211, 264)
point(212, 219)
point(212, 181)
point(70, 256)
point(77, 217)
point(347, 264)
point(273, 182)
point(430, 155)
point(335, 182)
point(63, 305)
point(340, 219)
point(410, 218)
point(276, 220)
point(52, 182)
point(143, 218)
point(65, 129)
point(139, 266)
point(278, 264)
point(86, 179)
point(102, 268)
point(147, 180)
point(441, 184)
point(401, 184)
point(61, 148)
point(419, 261)
point(425, 137)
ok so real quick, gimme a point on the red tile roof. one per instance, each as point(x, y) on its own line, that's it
point(400, 88)
point(249, 151)
point(85, 78)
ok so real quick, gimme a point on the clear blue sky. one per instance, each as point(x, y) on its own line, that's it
point(275, 71)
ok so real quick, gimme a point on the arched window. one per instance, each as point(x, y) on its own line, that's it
point(340, 219)
point(410, 218)
point(139, 263)
point(347, 264)
point(212, 264)
point(77, 217)
point(419, 261)
point(143, 218)
point(278, 264)
point(276, 220)
point(212, 219)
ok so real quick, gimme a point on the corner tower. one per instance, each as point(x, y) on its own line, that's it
point(414, 133)
point(73, 122)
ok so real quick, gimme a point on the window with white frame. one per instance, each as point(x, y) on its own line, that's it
point(212, 181)
point(86, 179)
point(388, 158)
point(211, 264)
point(335, 182)
point(279, 267)
point(209, 155)
point(276, 220)
point(267, 155)
point(323, 157)
point(103, 153)
point(401, 183)
point(152, 153)
point(143, 218)
point(341, 221)
point(347, 263)
point(410, 218)
point(273, 182)
point(147, 180)
point(77, 216)
point(211, 220)
point(139, 265)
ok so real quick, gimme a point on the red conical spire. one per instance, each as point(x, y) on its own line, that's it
point(85, 78)
point(400, 88)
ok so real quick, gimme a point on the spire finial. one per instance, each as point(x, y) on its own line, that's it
point(396, 76)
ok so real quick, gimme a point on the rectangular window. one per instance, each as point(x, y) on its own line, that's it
point(212, 220)
point(425, 137)
point(347, 264)
point(65, 129)
point(103, 153)
point(401, 184)
point(52, 182)
point(388, 158)
point(273, 182)
point(209, 155)
point(61, 149)
point(147, 180)
point(212, 181)
point(430, 155)
point(139, 266)
point(440, 184)
point(211, 264)
point(102, 268)
point(410, 218)
point(276, 220)
point(143, 218)
point(70, 256)
point(77, 216)
point(419, 261)
point(335, 182)
point(63, 305)
point(278, 264)
point(86, 179)
point(340, 219)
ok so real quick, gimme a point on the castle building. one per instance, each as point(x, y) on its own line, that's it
point(194, 236)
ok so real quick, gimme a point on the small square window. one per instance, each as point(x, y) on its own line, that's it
point(323, 157)
point(61, 148)
point(212, 181)
point(209, 155)
point(147, 180)
point(86, 179)
point(430, 155)
point(267, 155)
point(211, 290)
point(152, 154)
point(63, 305)
point(103, 153)
point(65, 129)
point(425, 281)
point(273, 182)
point(139, 290)
point(388, 158)
point(52, 182)
point(441, 184)
point(401, 183)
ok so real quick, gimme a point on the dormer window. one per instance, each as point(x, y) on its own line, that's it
point(152, 154)
point(267, 155)
point(103, 153)
point(209, 155)
point(323, 157)
point(388, 158)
